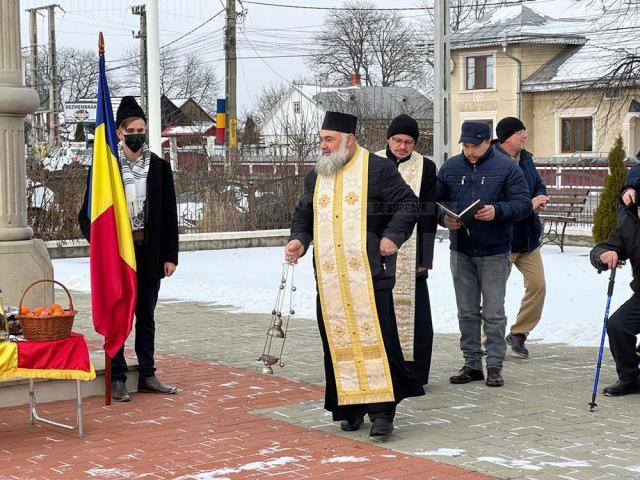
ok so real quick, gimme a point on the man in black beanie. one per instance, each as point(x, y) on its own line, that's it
point(151, 200)
point(525, 242)
point(413, 311)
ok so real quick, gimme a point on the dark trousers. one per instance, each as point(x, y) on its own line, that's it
point(145, 331)
point(622, 328)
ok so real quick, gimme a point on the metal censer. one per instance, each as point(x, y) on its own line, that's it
point(277, 328)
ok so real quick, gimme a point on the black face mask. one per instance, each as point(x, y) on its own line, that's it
point(135, 141)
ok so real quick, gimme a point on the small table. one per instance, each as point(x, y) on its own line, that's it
point(65, 359)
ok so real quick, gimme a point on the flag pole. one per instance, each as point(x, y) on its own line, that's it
point(107, 380)
point(107, 359)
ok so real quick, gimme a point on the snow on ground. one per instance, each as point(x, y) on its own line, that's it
point(247, 280)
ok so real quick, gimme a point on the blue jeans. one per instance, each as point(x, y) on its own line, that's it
point(476, 280)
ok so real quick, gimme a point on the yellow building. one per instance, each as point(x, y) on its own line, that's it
point(557, 75)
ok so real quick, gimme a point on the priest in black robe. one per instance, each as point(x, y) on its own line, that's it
point(358, 211)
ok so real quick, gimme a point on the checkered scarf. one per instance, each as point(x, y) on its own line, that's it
point(134, 178)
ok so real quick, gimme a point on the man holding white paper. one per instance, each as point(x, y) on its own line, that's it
point(480, 252)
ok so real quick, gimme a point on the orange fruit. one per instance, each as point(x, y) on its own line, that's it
point(55, 306)
point(25, 311)
point(38, 311)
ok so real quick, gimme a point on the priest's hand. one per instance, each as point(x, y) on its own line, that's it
point(387, 247)
point(486, 213)
point(293, 251)
point(452, 223)
point(169, 268)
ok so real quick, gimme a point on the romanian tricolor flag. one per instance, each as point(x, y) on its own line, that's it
point(112, 257)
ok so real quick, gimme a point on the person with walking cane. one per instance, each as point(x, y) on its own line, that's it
point(624, 325)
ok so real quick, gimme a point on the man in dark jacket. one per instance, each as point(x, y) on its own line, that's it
point(151, 199)
point(525, 244)
point(623, 325)
point(480, 248)
point(411, 294)
point(358, 211)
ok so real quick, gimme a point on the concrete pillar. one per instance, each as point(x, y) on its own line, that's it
point(22, 259)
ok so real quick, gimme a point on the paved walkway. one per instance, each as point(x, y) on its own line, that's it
point(230, 421)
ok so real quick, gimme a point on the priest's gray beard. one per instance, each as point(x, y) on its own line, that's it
point(328, 165)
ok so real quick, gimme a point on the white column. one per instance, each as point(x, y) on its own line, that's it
point(22, 259)
point(153, 69)
point(15, 102)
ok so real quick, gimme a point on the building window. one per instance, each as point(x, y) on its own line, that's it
point(479, 72)
point(576, 134)
point(296, 107)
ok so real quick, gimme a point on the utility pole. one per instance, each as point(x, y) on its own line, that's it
point(52, 123)
point(35, 83)
point(442, 84)
point(142, 35)
point(230, 83)
point(54, 132)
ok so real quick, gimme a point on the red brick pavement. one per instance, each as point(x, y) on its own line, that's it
point(205, 432)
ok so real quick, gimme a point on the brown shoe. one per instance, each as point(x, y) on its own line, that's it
point(154, 385)
point(119, 391)
point(494, 377)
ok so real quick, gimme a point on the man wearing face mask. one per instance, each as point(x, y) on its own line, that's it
point(151, 199)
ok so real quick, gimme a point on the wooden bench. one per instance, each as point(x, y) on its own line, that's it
point(562, 208)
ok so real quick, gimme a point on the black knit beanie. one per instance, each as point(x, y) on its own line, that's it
point(129, 108)
point(507, 127)
point(404, 124)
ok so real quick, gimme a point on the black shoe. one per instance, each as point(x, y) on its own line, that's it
point(119, 391)
point(494, 377)
point(381, 427)
point(621, 388)
point(154, 385)
point(516, 340)
point(466, 375)
point(351, 425)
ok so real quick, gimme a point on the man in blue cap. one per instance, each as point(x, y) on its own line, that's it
point(481, 245)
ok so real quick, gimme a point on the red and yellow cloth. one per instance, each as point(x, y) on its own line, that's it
point(66, 359)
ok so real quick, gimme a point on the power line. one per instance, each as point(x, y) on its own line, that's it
point(191, 31)
point(395, 9)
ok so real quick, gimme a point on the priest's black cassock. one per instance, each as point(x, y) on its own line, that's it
point(391, 213)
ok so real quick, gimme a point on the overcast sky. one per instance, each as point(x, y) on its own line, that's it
point(266, 32)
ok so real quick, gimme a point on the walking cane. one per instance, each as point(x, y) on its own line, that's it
point(612, 279)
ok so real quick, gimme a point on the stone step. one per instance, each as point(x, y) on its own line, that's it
point(15, 392)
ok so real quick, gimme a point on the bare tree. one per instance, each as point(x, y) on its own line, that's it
point(182, 77)
point(345, 43)
point(398, 57)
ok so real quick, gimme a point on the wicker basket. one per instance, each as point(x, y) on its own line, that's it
point(52, 327)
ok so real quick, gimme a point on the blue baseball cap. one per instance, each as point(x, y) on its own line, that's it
point(475, 133)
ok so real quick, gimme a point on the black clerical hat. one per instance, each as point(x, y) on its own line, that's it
point(340, 122)
point(129, 108)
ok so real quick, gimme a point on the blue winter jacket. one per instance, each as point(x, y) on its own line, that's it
point(496, 180)
point(527, 232)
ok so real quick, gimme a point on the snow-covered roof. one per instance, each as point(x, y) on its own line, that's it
point(518, 24)
point(593, 44)
point(189, 130)
point(610, 37)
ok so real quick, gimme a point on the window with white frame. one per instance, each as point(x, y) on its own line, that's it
point(296, 107)
point(576, 134)
point(479, 72)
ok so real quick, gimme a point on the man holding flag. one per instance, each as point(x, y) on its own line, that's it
point(129, 217)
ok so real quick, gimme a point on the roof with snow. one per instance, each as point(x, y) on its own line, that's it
point(593, 45)
point(376, 102)
point(518, 24)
